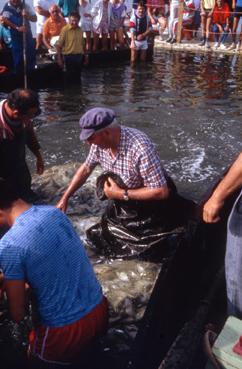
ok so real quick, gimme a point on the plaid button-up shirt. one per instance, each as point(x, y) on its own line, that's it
point(137, 161)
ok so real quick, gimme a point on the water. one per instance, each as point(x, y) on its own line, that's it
point(189, 104)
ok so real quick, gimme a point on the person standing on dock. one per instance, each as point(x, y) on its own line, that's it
point(220, 23)
point(101, 14)
point(231, 183)
point(207, 8)
point(68, 7)
point(17, 132)
point(237, 9)
point(12, 15)
point(42, 249)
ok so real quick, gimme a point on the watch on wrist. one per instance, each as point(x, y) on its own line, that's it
point(126, 195)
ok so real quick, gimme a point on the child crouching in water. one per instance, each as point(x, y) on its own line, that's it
point(140, 28)
point(118, 14)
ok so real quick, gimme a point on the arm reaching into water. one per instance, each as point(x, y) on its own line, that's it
point(77, 181)
point(229, 184)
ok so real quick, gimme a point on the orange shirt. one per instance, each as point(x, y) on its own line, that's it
point(221, 14)
point(53, 28)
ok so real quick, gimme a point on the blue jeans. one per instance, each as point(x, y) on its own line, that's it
point(224, 36)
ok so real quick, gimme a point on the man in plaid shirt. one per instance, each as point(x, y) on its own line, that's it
point(125, 151)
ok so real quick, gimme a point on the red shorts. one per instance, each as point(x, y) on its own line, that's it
point(65, 344)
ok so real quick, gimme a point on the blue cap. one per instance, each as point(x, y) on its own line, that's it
point(94, 120)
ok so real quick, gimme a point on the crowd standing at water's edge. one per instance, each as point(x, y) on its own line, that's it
point(105, 22)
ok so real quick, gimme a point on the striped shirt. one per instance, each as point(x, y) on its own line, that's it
point(137, 161)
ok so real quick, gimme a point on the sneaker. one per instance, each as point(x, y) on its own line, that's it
point(216, 45)
point(222, 47)
point(232, 46)
point(202, 43)
point(207, 46)
point(173, 41)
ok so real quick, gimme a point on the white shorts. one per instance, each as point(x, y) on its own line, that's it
point(141, 45)
point(40, 23)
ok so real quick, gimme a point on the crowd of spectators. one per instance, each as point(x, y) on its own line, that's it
point(105, 24)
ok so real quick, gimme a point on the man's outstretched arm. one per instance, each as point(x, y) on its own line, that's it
point(229, 184)
point(77, 181)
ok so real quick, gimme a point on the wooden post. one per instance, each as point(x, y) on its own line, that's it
point(180, 17)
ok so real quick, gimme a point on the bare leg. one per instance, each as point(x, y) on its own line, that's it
point(133, 58)
point(104, 41)
point(112, 40)
point(95, 41)
point(143, 55)
point(120, 34)
point(39, 41)
point(203, 25)
point(88, 41)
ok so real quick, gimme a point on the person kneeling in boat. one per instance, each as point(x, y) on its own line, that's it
point(140, 199)
point(17, 132)
point(70, 46)
point(231, 183)
point(140, 28)
point(42, 249)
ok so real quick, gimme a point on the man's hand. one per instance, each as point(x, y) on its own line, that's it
point(112, 190)
point(63, 204)
point(40, 165)
point(211, 210)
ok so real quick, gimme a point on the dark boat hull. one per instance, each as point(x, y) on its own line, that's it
point(48, 72)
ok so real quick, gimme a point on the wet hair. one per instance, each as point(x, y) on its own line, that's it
point(8, 193)
point(22, 100)
point(75, 15)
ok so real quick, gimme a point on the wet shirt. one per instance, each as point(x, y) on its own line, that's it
point(43, 249)
point(137, 161)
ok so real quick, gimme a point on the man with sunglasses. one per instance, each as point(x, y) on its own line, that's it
point(17, 132)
